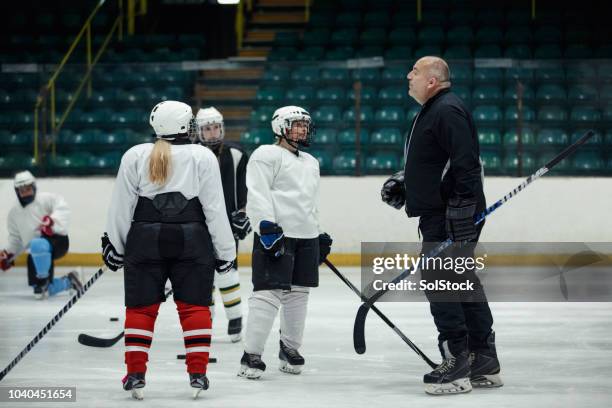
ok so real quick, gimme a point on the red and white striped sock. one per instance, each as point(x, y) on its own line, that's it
point(139, 326)
point(197, 332)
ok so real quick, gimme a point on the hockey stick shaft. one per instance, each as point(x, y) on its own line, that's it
point(359, 328)
point(52, 322)
point(380, 314)
point(92, 341)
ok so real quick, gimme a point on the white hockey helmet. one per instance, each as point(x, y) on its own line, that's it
point(283, 119)
point(24, 179)
point(172, 119)
point(210, 135)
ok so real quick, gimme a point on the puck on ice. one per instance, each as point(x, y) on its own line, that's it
point(182, 357)
point(114, 319)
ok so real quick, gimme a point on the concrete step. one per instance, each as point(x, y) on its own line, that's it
point(270, 18)
point(255, 36)
point(240, 74)
point(281, 3)
point(254, 52)
point(210, 94)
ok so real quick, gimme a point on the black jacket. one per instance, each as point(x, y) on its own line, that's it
point(232, 164)
point(443, 134)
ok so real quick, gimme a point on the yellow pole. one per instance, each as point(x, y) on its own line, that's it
point(143, 7)
point(533, 9)
point(130, 16)
point(238, 28)
point(89, 58)
point(121, 17)
point(419, 10)
point(307, 10)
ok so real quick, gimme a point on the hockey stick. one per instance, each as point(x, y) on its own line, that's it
point(381, 315)
point(359, 328)
point(52, 322)
point(92, 341)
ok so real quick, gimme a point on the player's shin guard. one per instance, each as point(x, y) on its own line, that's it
point(196, 324)
point(139, 326)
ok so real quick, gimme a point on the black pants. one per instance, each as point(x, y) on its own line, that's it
point(59, 248)
point(156, 252)
point(462, 316)
point(299, 265)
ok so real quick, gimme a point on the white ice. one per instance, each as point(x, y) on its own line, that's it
point(552, 354)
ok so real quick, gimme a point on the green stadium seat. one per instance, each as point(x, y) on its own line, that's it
point(550, 74)
point(285, 54)
point(551, 92)
point(518, 51)
point(345, 163)
point(271, 94)
point(578, 51)
point(369, 52)
point(487, 113)
point(552, 113)
point(373, 36)
point(510, 162)
point(129, 117)
point(308, 54)
point(458, 52)
point(547, 35)
point(393, 93)
point(287, 39)
point(333, 93)
point(486, 92)
point(608, 138)
point(334, 74)
point(257, 136)
point(327, 114)
point(386, 136)
point(527, 137)
point(325, 160)
point(376, 19)
point(262, 114)
point(350, 19)
point(604, 51)
point(489, 137)
point(552, 137)
point(491, 75)
point(585, 114)
point(18, 139)
point(462, 16)
point(461, 73)
point(431, 35)
point(390, 114)
point(106, 161)
point(398, 53)
point(517, 34)
point(578, 36)
point(317, 37)
point(511, 93)
point(511, 113)
point(366, 114)
point(305, 74)
point(605, 93)
point(548, 51)
point(340, 53)
point(580, 72)
point(77, 161)
point(368, 93)
point(462, 35)
point(402, 37)
point(395, 73)
point(299, 94)
point(381, 162)
point(344, 37)
point(607, 113)
point(79, 138)
point(491, 161)
point(588, 162)
point(325, 136)
point(426, 50)
point(490, 16)
point(348, 136)
point(276, 75)
point(488, 51)
point(366, 74)
point(511, 75)
point(16, 162)
point(489, 35)
point(171, 93)
point(462, 92)
point(405, 17)
point(605, 71)
point(109, 139)
point(321, 20)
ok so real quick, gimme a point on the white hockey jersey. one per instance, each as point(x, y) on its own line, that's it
point(194, 172)
point(24, 222)
point(283, 188)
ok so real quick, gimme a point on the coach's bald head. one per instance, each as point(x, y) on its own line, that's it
point(429, 76)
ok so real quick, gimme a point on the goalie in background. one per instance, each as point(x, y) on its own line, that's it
point(39, 223)
point(232, 163)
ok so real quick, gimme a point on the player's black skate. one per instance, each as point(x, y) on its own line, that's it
point(40, 291)
point(251, 366)
point(452, 376)
point(485, 367)
point(134, 382)
point(234, 328)
point(199, 382)
point(75, 282)
point(290, 359)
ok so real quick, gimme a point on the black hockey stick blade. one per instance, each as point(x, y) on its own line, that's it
point(359, 329)
point(91, 341)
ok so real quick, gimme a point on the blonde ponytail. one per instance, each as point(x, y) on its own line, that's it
point(160, 161)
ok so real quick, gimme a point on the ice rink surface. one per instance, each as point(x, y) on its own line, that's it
point(552, 354)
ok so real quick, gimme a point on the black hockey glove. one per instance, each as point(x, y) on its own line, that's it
point(222, 266)
point(272, 238)
point(325, 243)
point(394, 191)
point(241, 225)
point(460, 219)
point(110, 256)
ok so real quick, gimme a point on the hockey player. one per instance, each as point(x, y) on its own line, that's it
point(442, 184)
point(232, 163)
point(39, 222)
point(288, 246)
point(167, 220)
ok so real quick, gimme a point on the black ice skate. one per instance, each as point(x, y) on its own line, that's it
point(485, 367)
point(40, 291)
point(75, 282)
point(452, 376)
point(199, 382)
point(290, 360)
point(234, 328)
point(134, 382)
point(251, 366)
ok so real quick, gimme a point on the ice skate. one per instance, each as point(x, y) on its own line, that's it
point(251, 366)
point(135, 382)
point(291, 361)
point(199, 382)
